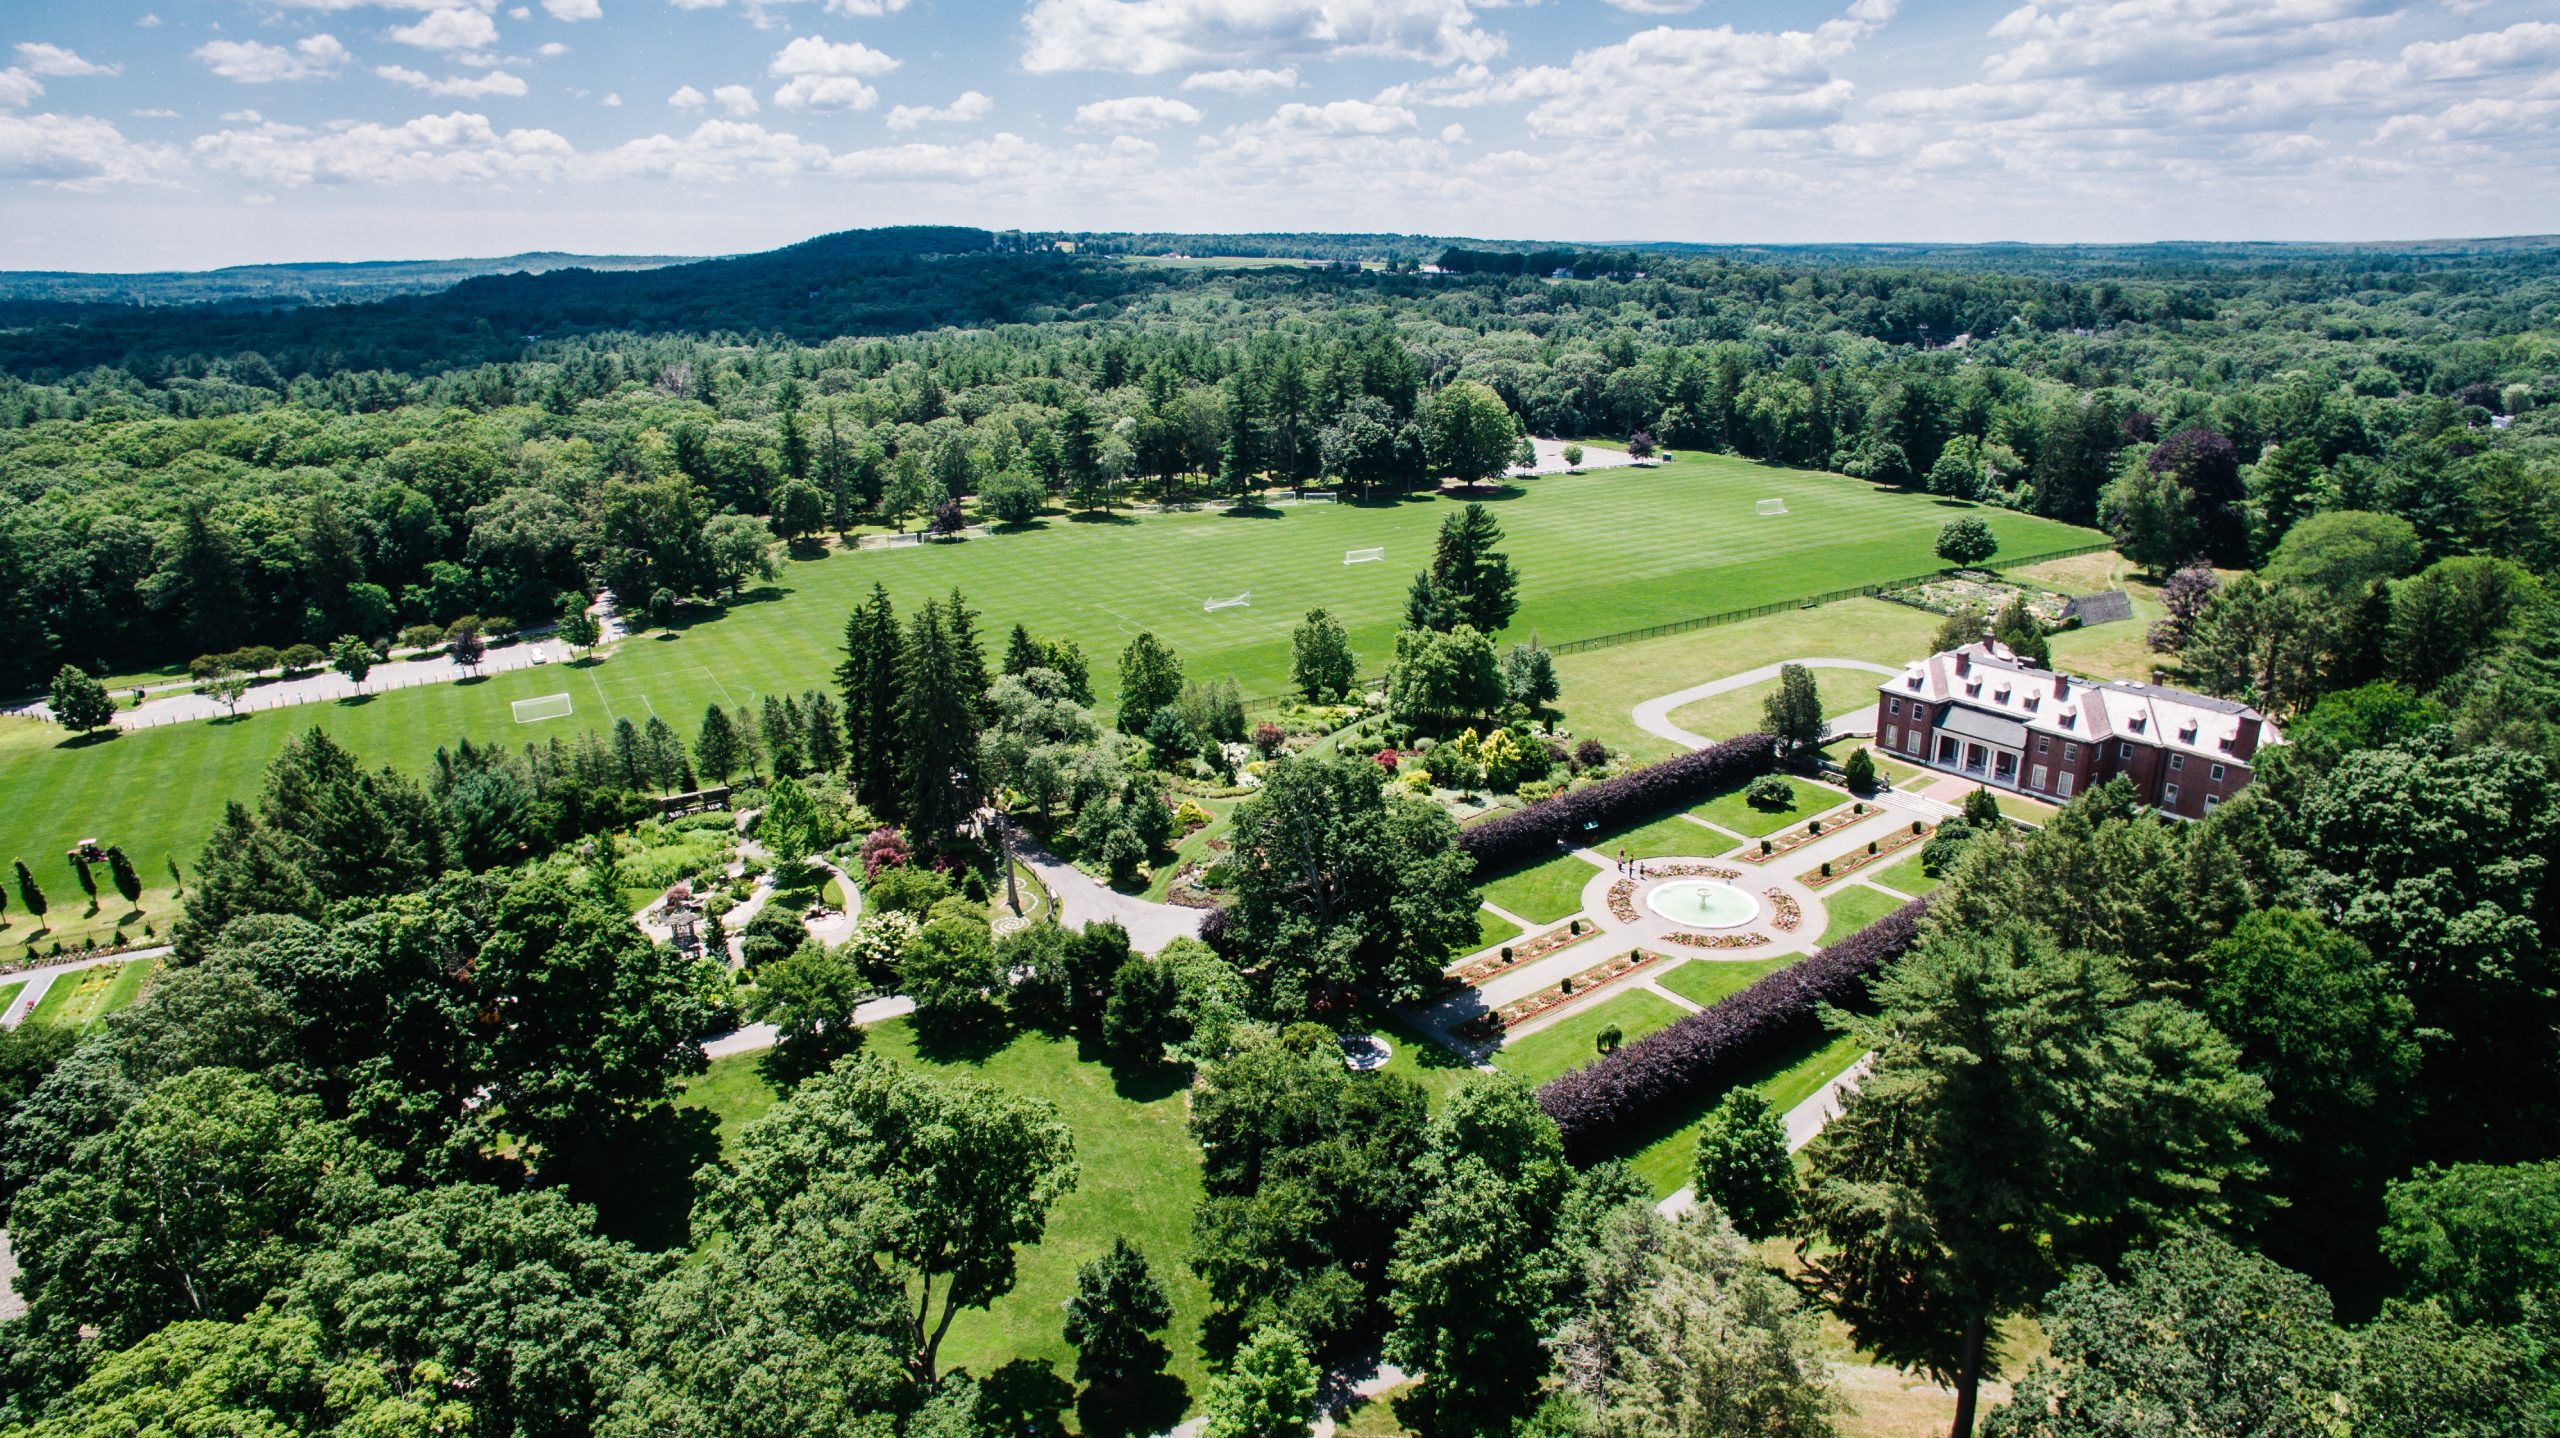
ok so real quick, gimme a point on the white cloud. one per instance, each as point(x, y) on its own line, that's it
point(18, 89)
point(552, 50)
point(2136, 40)
point(496, 82)
point(1453, 134)
point(1135, 112)
point(81, 152)
point(1658, 7)
point(251, 63)
point(716, 150)
point(449, 29)
point(687, 98)
point(1343, 117)
point(574, 9)
point(484, 5)
point(1243, 82)
point(612, 100)
point(455, 148)
point(819, 75)
point(865, 8)
point(155, 114)
point(150, 22)
point(243, 117)
point(1148, 37)
point(970, 105)
point(53, 60)
point(736, 99)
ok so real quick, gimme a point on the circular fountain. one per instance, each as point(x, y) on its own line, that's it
point(1703, 904)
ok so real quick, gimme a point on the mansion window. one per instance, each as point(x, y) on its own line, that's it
point(2169, 797)
point(2178, 763)
point(2217, 773)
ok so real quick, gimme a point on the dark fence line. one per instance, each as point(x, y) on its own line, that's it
point(1804, 601)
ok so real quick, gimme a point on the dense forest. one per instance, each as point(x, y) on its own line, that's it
point(188, 480)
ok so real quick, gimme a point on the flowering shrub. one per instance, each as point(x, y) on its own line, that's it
point(883, 848)
point(1729, 1041)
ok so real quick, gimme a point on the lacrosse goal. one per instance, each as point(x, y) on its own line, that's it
point(1364, 556)
point(1773, 506)
point(1241, 601)
point(546, 706)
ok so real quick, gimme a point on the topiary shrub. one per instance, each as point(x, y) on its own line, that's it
point(1770, 792)
point(1860, 771)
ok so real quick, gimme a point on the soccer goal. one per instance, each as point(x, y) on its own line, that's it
point(547, 706)
point(1773, 506)
point(1241, 601)
point(1364, 556)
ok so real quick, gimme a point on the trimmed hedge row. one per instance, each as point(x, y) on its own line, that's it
point(1734, 1037)
point(1536, 831)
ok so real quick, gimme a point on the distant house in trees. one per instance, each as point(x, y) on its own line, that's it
point(1981, 713)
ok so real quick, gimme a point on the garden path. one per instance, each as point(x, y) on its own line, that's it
point(1803, 1122)
point(1083, 899)
point(1653, 716)
point(40, 977)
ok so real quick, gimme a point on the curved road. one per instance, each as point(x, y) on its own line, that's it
point(1653, 716)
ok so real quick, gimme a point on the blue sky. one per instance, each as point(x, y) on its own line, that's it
point(139, 134)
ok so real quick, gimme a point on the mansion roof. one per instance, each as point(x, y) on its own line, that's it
point(1999, 699)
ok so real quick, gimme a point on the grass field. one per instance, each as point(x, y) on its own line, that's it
point(1589, 563)
point(1852, 907)
point(1740, 711)
point(1903, 875)
point(1571, 1042)
point(1492, 929)
point(1544, 893)
point(1703, 981)
point(1665, 1158)
point(1138, 1177)
point(1730, 810)
point(1666, 838)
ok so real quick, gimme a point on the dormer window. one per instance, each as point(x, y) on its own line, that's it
point(2067, 718)
point(2032, 701)
point(2136, 722)
point(1911, 681)
point(2000, 695)
point(1973, 690)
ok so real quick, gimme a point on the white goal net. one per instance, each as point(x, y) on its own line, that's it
point(1363, 556)
point(1241, 601)
point(1773, 506)
point(547, 706)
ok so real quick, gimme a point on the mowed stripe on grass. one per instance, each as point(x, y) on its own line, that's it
point(1597, 554)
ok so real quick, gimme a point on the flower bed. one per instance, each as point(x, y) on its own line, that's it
point(1582, 985)
point(1622, 901)
point(1477, 970)
point(1687, 869)
point(1790, 913)
point(1716, 941)
point(1895, 842)
point(1820, 826)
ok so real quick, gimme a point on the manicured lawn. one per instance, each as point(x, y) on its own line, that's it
point(2025, 811)
point(1138, 1177)
point(1590, 562)
point(1544, 893)
point(1899, 772)
point(1492, 929)
point(1853, 906)
point(9, 994)
point(84, 996)
point(1903, 875)
point(1703, 981)
point(1664, 1160)
point(1732, 811)
point(1740, 711)
point(1666, 838)
point(1573, 1041)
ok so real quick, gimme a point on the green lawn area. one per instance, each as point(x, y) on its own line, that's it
point(1138, 1177)
point(84, 996)
point(1900, 773)
point(1731, 811)
point(1853, 906)
point(1664, 1160)
point(1739, 711)
point(1492, 929)
point(1590, 565)
point(1544, 893)
point(1703, 981)
point(1665, 838)
point(1903, 875)
point(2025, 811)
point(1572, 1041)
point(9, 993)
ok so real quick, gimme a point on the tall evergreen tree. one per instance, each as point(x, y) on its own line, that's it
point(968, 655)
point(937, 728)
point(822, 732)
point(1023, 653)
point(1150, 679)
point(715, 749)
point(1112, 1321)
point(869, 676)
point(31, 893)
point(1470, 580)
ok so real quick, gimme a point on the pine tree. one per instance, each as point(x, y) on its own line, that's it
point(2017, 628)
point(88, 881)
point(1470, 580)
point(662, 757)
point(716, 748)
point(127, 882)
point(628, 757)
point(1321, 663)
point(822, 731)
point(1150, 679)
point(969, 657)
point(937, 729)
point(1023, 653)
point(781, 730)
point(30, 893)
point(1793, 713)
point(869, 676)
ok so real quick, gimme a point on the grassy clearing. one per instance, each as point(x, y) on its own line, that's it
point(1740, 711)
point(1703, 981)
point(1492, 929)
point(1852, 907)
point(1573, 1041)
point(1545, 893)
point(1730, 810)
point(1904, 875)
point(1664, 1156)
point(1666, 838)
point(1139, 1178)
point(82, 997)
point(9, 994)
point(1903, 775)
point(1589, 566)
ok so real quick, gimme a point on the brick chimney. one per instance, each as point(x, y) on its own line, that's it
point(1964, 662)
point(2244, 740)
point(2061, 686)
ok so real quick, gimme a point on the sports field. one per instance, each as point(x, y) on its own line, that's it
point(1597, 553)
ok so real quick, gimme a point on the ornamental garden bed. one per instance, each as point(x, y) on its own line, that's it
point(1877, 850)
point(1716, 941)
point(1581, 986)
point(1511, 956)
point(1790, 913)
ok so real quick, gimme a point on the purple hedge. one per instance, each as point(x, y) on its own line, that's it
point(1732, 1039)
point(1541, 830)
